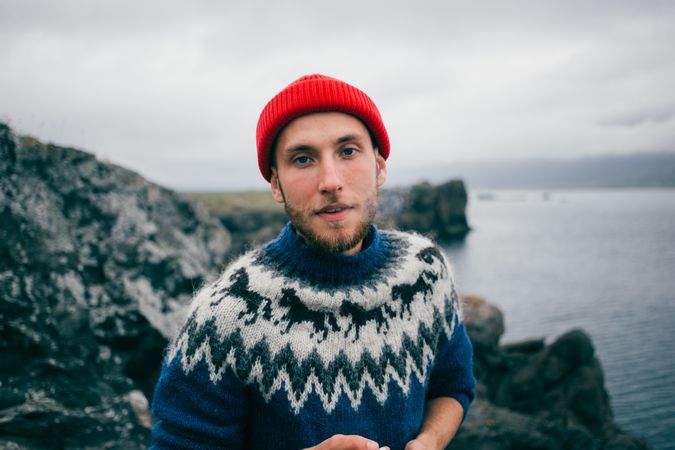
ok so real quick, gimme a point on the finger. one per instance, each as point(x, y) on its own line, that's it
point(414, 445)
point(346, 442)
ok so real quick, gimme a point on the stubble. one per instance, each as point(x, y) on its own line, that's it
point(337, 240)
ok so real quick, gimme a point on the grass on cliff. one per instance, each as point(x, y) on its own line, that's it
point(223, 202)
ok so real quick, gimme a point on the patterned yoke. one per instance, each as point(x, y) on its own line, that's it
point(292, 345)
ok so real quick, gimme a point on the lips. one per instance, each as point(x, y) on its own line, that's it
point(334, 208)
point(335, 211)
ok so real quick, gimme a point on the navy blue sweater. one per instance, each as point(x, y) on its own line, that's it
point(292, 345)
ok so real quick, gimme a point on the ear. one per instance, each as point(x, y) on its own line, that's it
point(381, 168)
point(277, 193)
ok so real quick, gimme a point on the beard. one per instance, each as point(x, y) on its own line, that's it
point(338, 239)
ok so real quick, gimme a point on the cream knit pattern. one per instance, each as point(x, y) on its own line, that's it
point(327, 330)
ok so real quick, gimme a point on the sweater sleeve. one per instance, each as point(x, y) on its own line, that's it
point(452, 374)
point(193, 412)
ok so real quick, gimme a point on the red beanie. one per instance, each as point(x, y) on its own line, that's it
point(311, 94)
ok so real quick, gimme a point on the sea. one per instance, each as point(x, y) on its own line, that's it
point(599, 260)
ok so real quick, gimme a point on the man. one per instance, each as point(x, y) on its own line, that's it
point(335, 335)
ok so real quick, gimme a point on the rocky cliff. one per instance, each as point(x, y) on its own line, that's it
point(438, 211)
point(536, 396)
point(97, 266)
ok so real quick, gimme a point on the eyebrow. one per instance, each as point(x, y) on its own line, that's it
point(302, 148)
point(347, 138)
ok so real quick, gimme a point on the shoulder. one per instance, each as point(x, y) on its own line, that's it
point(220, 287)
point(420, 253)
point(426, 266)
point(217, 307)
point(413, 240)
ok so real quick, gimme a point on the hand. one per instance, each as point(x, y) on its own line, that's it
point(442, 417)
point(421, 443)
point(342, 442)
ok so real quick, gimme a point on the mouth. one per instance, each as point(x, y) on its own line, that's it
point(335, 211)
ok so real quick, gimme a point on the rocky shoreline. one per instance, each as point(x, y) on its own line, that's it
point(532, 395)
point(97, 266)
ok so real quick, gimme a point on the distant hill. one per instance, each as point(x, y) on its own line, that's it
point(634, 170)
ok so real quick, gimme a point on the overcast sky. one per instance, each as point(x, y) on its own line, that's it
point(173, 89)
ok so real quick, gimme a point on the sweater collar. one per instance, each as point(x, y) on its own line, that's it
point(293, 256)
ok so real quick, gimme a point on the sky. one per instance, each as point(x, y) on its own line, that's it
point(173, 89)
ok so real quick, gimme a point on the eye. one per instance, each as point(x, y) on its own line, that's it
point(349, 151)
point(302, 160)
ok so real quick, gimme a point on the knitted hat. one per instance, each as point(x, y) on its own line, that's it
point(311, 94)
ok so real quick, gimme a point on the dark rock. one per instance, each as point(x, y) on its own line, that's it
point(535, 396)
point(564, 380)
point(96, 267)
point(527, 346)
point(251, 227)
point(491, 427)
point(485, 324)
point(488, 426)
point(438, 211)
point(625, 442)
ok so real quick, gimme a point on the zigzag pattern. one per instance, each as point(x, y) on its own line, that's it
point(271, 371)
point(256, 361)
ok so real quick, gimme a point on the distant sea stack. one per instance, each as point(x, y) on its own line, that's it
point(96, 267)
point(438, 211)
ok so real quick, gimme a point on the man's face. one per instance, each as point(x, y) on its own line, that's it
point(327, 175)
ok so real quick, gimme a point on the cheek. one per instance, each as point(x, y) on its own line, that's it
point(297, 189)
point(364, 177)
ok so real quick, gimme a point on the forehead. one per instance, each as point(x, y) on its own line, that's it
point(319, 128)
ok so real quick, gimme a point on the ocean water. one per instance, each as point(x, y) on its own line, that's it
point(600, 260)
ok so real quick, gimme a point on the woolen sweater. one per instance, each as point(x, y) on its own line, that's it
point(292, 345)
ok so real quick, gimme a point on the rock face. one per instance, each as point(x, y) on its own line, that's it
point(437, 211)
point(96, 266)
point(531, 395)
point(252, 227)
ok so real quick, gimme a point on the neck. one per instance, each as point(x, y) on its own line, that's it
point(293, 256)
point(351, 251)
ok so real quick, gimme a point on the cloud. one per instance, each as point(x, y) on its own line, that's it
point(174, 89)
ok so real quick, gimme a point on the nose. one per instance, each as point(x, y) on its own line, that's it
point(330, 180)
